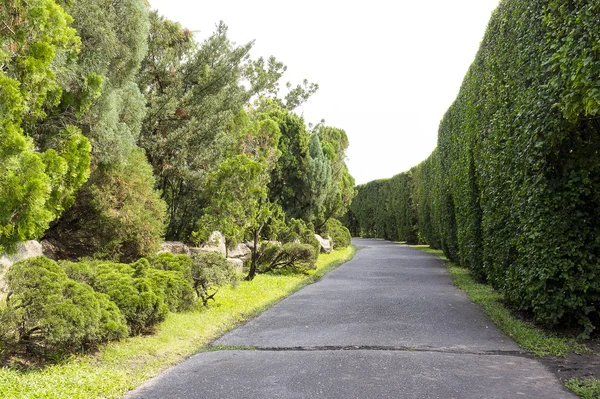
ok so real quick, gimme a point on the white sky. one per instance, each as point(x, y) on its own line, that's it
point(387, 70)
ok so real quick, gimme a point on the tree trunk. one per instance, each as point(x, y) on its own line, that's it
point(252, 271)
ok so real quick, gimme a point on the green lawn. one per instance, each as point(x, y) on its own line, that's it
point(121, 366)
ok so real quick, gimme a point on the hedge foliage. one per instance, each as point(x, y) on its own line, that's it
point(513, 189)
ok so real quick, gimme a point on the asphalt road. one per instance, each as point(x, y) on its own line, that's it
point(388, 324)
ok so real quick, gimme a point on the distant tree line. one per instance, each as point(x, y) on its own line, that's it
point(513, 189)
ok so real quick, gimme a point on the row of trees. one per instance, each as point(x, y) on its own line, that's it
point(512, 189)
point(119, 129)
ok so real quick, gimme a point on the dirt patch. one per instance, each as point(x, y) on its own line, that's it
point(581, 366)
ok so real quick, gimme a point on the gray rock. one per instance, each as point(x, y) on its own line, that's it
point(26, 249)
point(241, 251)
point(238, 264)
point(326, 244)
point(215, 243)
point(174, 247)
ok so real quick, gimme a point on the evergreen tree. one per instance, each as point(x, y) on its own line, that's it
point(36, 183)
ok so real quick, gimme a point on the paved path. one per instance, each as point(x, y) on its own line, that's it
point(388, 324)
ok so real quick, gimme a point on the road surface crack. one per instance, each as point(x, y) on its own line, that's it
point(457, 351)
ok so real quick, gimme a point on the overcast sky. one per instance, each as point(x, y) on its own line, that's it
point(387, 70)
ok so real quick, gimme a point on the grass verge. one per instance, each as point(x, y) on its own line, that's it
point(121, 366)
point(586, 389)
point(529, 337)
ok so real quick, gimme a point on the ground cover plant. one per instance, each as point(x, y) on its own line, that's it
point(121, 366)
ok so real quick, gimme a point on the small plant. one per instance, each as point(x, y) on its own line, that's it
point(131, 287)
point(211, 270)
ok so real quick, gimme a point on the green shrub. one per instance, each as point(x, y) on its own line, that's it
point(117, 215)
point(139, 298)
point(293, 256)
point(340, 234)
point(209, 271)
point(267, 252)
point(297, 230)
point(49, 312)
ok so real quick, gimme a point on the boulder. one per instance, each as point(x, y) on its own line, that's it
point(215, 243)
point(51, 249)
point(326, 244)
point(26, 249)
point(241, 251)
point(238, 264)
point(174, 247)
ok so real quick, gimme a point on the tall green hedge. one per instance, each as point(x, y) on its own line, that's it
point(513, 188)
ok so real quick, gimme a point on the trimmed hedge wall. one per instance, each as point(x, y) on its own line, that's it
point(513, 189)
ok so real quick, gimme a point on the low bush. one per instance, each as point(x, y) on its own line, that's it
point(340, 234)
point(47, 312)
point(211, 270)
point(293, 256)
point(137, 295)
point(299, 232)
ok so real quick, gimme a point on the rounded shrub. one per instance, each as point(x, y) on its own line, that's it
point(339, 234)
point(49, 312)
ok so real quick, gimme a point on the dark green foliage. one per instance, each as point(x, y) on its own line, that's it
point(294, 256)
point(117, 216)
point(48, 312)
point(512, 190)
point(340, 234)
point(383, 209)
point(211, 270)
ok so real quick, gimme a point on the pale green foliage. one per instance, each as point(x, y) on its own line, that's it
point(318, 180)
point(35, 187)
point(114, 42)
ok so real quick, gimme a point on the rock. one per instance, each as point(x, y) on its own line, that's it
point(50, 249)
point(215, 243)
point(241, 251)
point(326, 244)
point(174, 247)
point(238, 264)
point(27, 249)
